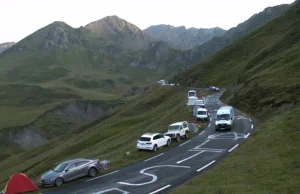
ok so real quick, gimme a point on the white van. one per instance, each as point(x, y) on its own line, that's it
point(200, 103)
point(224, 118)
point(202, 114)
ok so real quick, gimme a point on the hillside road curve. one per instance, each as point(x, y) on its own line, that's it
point(174, 166)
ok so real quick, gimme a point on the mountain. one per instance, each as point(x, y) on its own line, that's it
point(256, 21)
point(119, 32)
point(182, 38)
point(205, 50)
point(261, 69)
point(261, 73)
point(6, 45)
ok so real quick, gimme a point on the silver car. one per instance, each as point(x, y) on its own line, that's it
point(70, 170)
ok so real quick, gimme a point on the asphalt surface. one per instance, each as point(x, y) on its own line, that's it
point(173, 167)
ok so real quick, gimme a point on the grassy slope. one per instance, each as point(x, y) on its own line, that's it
point(109, 139)
point(263, 76)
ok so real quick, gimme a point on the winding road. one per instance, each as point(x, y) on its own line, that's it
point(173, 167)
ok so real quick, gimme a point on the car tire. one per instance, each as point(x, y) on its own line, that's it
point(168, 142)
point(178, 138)
point(186, 135)
point(92, 172)
point(58, 182)
point(154, 148)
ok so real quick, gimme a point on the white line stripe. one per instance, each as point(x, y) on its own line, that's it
point(250, 120)
point(207, 165)
point(153, 157)
point(160, 189)
point(201, 132)
point(199, 146)
point(233, 148)
point(238, 118)
point(189, 157)
point(210, 119)
point(209, 125)
point(247, 135)
point(184, 143)
point(102, 176)
point(252, 126)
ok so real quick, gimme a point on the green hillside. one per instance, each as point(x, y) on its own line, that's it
point(107, 139)
point(262, 74)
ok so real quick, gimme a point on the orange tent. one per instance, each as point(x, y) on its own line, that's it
point(19, 183)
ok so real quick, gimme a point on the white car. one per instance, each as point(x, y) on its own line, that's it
point(178, 130)
point(153, 141)
point(224, 118)
point(202, 114)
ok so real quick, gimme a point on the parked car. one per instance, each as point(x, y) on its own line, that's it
point(70, 170)
point(178, 130)
point(217, 89)
point(153, 141)
point(202, 114)
point(224, 118)
point(200, 103)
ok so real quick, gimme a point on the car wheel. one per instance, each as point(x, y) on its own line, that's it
point(58, 182)
point(178, 138)
point(155, 148)
point(186, 135)
point(92, 172)
point(168, 143)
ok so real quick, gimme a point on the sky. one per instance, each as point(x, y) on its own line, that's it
point(20, 18)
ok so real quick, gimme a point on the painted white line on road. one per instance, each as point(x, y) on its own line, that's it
point(184, 143)
point(201, 132)
point(113, 189)
point(247, 135)
point(189, 157)
point(102, 176)
point(158, 190)
point(250, 120)
point(199, 146)
point(252, 126)
point(209, 125)
point(153, 157)
point(238, 118)
point(208, 149)
point(154, 177)
point(233, 148)
point(210, 119)
point(207, 165)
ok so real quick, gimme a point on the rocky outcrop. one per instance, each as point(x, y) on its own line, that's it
point(181, 37)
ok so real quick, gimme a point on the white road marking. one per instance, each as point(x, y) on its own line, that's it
point(184, 143)
point(209, 125)
point(113, 189)
point(102, 176)
point(160, 189)
point(210, 119)
point(252, 126)
point(154, 177)
point(247, 135)
point(250, 120)
point(238, 118)
point(199, 146)
point(233, 148)
point(153, 157)
point(207, 165)
point(208, 150)
point(201, 132)
point(189, 157)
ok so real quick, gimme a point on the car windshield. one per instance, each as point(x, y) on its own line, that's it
point(144, 139)
point(199, 102)
point(201, 113)
point(173, 127)
point(60, 167)
point(223, 117)
point(191, 94)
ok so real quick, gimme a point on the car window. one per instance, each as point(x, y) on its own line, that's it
point(160, 136)
point(71, 166)
point(145, 139)
point(80, 163)
point(155, 137)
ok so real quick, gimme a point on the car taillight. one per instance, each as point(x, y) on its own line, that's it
point(149, 143)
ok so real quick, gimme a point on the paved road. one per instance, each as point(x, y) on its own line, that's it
point(174, 166)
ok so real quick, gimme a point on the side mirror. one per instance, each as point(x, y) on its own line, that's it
point(67, 170)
